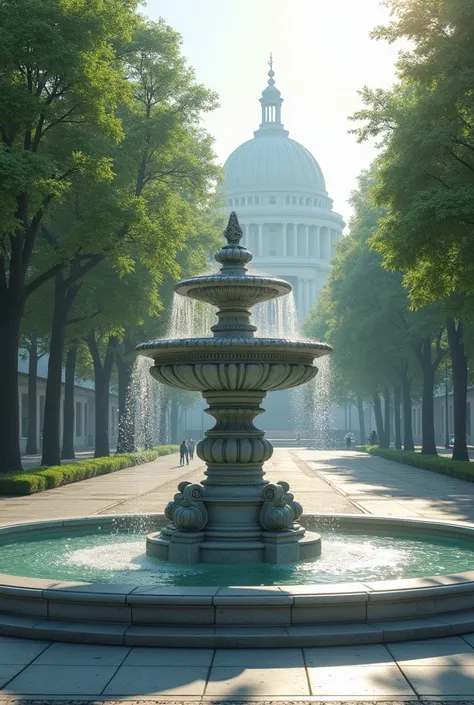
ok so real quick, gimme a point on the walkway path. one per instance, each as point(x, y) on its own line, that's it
point(308, 486)
point(434, 671)
point(92, 496)
point(383, 487)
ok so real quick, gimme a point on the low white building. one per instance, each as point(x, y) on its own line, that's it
point(84, 409)
point(440, 417)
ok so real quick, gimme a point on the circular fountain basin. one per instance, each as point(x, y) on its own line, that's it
point(137, 601)
point(233, 364)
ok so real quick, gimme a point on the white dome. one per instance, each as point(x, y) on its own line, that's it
point(271, 160)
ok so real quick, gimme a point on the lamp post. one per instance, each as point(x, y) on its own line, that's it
point(446, 409)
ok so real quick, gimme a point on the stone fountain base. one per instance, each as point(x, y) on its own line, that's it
point(233, 525)
point(269, 547)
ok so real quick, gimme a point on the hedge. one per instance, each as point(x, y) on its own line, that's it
point(461, 469)
point(38, 480)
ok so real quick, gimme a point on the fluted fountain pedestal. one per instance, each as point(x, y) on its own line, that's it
point(234, 516)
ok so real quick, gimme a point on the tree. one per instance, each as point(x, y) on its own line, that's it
point(58, 71)
point(34, 342)
point(427, 166)
point(202, 239)
point(377, 339)
point(163, 168)
point(67, 449)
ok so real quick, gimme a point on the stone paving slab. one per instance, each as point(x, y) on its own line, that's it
point(424, 671)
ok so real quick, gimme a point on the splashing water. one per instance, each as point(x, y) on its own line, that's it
point(119, 557)
point(190, 318)
point(309, 406)
point(146, 404)
point(277, 318)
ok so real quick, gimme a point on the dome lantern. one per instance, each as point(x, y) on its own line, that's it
point(271, 102)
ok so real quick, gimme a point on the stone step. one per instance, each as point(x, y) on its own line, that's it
point(454, 623)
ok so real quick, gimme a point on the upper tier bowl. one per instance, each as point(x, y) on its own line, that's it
point(243, 290)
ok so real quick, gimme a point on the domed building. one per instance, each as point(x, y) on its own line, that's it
point(277, 188)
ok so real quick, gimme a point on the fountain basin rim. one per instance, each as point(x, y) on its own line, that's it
point(404, 589)
point(270, 344)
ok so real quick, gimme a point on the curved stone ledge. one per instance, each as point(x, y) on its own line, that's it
point(303, 614)
point(234, 376)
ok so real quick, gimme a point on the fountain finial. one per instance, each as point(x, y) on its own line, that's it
point(233, 232)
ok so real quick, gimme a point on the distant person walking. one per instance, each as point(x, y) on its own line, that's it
point(348, 439)
point(298, 438)
point(183, 453)
point(191, 448)
point(374, 439)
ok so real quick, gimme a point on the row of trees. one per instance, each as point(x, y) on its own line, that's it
point(400, 295)
point(105, 176)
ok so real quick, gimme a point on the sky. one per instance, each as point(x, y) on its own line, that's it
point(322, 56)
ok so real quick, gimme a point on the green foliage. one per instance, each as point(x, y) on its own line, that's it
point(426, 175)
point(58, 71)
point(20, 484)
point(463, 470)
point(364, 310)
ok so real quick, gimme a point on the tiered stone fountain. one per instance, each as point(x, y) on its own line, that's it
point(234, 515)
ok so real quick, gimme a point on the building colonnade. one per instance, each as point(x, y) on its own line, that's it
point(287, 240)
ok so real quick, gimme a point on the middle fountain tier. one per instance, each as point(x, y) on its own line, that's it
point(234, 515)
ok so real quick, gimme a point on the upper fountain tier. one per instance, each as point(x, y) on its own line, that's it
point(233, 286)
point(233, 351)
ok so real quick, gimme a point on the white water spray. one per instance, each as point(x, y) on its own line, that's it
point(309, 406)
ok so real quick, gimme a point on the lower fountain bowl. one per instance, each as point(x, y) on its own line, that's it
point(271, 547)
point(188, 610)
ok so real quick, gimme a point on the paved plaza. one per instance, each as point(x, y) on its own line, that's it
point(327, 481)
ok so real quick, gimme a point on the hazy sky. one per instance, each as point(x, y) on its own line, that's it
point(322, 55)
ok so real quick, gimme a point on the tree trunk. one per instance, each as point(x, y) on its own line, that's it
point(174, 421)
point(32, 437)
point(406, 380)
point(52, 402)
point(427, 404)
point(396, 412)
point(387, 417)
point(10, 319)
point(126, 409)
point(459, 368)
point(360, 410)
point(378, 417)
point(162, 429)
point(67, 451)
point(102, 375)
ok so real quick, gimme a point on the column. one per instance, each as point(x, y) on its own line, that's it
point(299, 300)
point(284, 238)
point(259, 248)
point(318, 242)
point(306, 238)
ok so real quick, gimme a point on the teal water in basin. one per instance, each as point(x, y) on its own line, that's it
point(120, 557)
